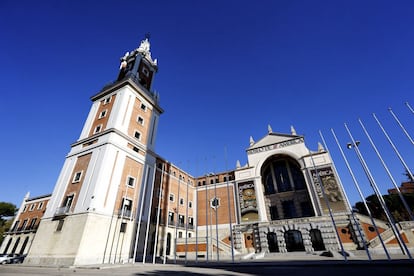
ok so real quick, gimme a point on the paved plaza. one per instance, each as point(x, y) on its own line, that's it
point(269, 265)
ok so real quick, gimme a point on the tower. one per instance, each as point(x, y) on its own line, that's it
point(100, 197)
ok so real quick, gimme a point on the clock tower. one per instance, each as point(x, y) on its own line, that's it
point(98, 206)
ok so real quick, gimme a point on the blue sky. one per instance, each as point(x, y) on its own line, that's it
point(227, 69)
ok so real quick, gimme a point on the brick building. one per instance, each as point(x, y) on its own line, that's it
point(116, 200)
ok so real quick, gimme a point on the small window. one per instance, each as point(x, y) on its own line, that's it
point(123, 227)
point(144, 107)
point(189, 234)
point(170, 218)
point(24, 209)
point(107, 100)
point(135, 149)
point(40, 206)
point(130, 181)
point(77, 177)
point(172, 197)
point(140, 120)
point(190, 204)
point(103, 114)
point(137, 135)
point(215, 203)
point(60, 225)
point(98, 128)
point(181, 220)
point(32, 207)
point(181, 201)
point(180, 234)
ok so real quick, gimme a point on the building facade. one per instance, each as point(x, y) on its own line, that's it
point(26, 222)
point(116, 200)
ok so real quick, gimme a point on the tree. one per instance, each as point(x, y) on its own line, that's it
point(393, 203)
point(7, 210)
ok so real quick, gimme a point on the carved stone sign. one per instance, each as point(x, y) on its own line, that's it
point(276, 146)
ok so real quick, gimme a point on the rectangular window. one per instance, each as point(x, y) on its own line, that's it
point(180, 234)
point(77, 177)
point(32, 207)
point(180, 220)
point(60, 225)
point(190, 204)
point(137, 135)
point(107, 100)
point(144, 107)
point(172, 197)
point(102, 114)
point(23, 225)
point(68, 202)
point(123, 227)
point(140, 120)
point(97, 129)
point(181, 201)
point(307, 210)
point(24, 208)
point(40, 206)
point(190, 222)
point(131, 181)
point(273, 213)
point(32, 224)
point(170, 218)
point(289, 210)
point(126, 208)
point(15, 226)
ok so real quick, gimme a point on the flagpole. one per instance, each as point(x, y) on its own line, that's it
point(327, 205)
point(388, 171)
point(149, 217)
point(371, 180)
point(167, 223)
point(402, 127)
point(216, 210)
point(196, 217)
point(122, 217)
point(186, 218)
point(140, 212)
point(229, 209)
point(178, 216)
point(409, 107)
point(157, 225)
point(395, 149)
point(349, 204)
point(206, 218)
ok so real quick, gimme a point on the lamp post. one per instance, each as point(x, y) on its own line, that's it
point(357, 225)
point(355, 145)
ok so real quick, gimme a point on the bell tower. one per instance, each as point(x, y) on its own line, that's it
point(99, 201)
point(138, 65)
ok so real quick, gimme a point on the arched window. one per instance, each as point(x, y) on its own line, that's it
point(294, 241)
point(282, 174)
point(272, 242)
point(316, 239)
